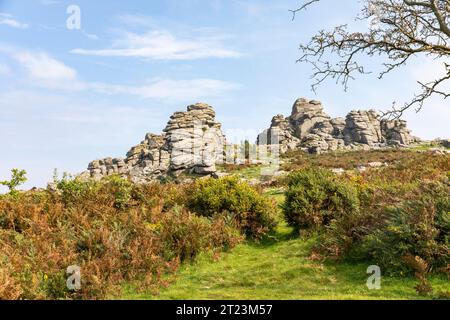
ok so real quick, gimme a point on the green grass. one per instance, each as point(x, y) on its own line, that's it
point(244, 171)
point(426, 146)
point(279, 268)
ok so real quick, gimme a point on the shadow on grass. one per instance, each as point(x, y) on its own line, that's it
point(282, 233)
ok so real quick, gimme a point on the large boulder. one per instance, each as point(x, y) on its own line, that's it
point(396, 132)
point(191, 142)
point(305, 115)
point(363, 127)
point(195, 140)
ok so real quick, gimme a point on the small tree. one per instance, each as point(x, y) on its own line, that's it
point(18, 177)
point(400, 30)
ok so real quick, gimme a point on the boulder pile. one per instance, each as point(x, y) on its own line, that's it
point(311, 129)
point(192, 142)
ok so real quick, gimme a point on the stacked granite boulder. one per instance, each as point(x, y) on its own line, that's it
point(191, 142)
point(311, 129)
point(195, 140)
point(281, 133)
point(396, 132)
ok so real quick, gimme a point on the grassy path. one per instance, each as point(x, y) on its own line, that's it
point(279, 268)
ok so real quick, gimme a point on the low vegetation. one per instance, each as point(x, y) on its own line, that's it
point(116, 232)
point(281, 267)
point(315, 197)
point(295, 160)
point(253, 213)
point(311, 236)
point(18, 177)
point(393, 216)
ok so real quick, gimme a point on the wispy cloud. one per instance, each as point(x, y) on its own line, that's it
point(91, 36)
point(162, 45)
point(136, 20)
point(48, 72)
point(171, 89)
point(9, 20)
point(43, 67)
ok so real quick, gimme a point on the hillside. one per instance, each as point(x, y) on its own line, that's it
point(282, 266)
point(309, 232)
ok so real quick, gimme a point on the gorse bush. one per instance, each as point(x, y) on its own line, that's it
point(314, 197)
point(74, 191)
point(113, 190)
point(121, 189)
point(186, 234)
point(253, 213)
point(419, 227)
point(381, 215)
point(114, 231)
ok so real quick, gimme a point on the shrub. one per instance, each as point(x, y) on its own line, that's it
point(253, 213)
point(121, 189)
point(18, 177)
point(113, 190)
point(387, 230)
point(385, 215)
point(342, 237)
point(418, 227)
point(185, 235)
point(151, 194)
point(74, 191)
point(314, 197)
point(85, 224)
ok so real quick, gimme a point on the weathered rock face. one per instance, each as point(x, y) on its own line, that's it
point(191, 142)
point(306, 115)
point(363, 127)
point(396, 132)
point(311, 129)
point(281, 133)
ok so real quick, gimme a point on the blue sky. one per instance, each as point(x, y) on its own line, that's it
point(70, 96)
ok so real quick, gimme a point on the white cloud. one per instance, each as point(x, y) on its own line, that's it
point(43, 67)
point(162, 45)
point(48, 72)
point(91, 36)
point(136, 20)
point(174, 90)
point(8, 20)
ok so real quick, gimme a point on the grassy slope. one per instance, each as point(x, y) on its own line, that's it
point(279, 268)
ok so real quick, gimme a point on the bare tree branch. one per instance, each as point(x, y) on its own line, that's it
point(400, 30)
point(303, 7)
